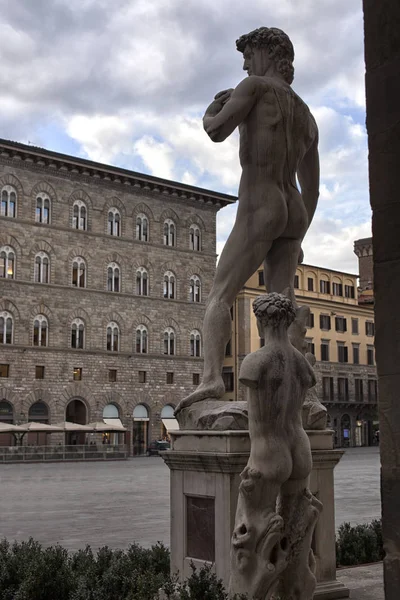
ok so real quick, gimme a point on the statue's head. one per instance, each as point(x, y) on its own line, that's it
point(266, 44)
point(273, 310)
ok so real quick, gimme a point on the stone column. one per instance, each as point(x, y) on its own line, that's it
point(382, 57)
point(205, 468)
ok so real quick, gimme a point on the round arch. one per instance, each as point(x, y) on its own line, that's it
point(6, 411)
point(39, 412)
point(111, 411)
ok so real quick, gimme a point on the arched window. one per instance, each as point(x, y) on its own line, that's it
point(142, 339)
point(77, 334)
point(142, 228)
point(114, 222)
point(38, 412)
point(169, 233)
point(113, 277)
point(42, 208)
point(40, 331)
point(7, 262)
point(79, 272)
point(195, 343)
point(142, 282)
point(42, 268)
point(79, 215)
point(8, 201)
point(169, 285)
point(112, 337)
point(169, 341)
point(6, 328)
point(195, 289)
point(195, 238)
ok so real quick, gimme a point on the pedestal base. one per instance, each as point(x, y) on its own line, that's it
point(205, 468)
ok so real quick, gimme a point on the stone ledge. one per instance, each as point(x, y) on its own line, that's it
point(331, 590)
point(211, 462)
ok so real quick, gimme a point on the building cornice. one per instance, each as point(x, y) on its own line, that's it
point(33, 157)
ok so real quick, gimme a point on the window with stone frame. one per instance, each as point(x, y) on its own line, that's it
point(372, 390)
point(261, 278)
point(337, 289)
point(195, 238)
point(343, 389)
point(370, 356)
point(6, 328)
point(114, 222)
point(296, 284)
point(113, 337)
point(7, 262)
point(310, 320)
point(343, 356)
point(327, 389)
point(341, 324)
point(324, 286)
point(113, 277)
point(369, 328)
point(310, 284)
point(358, 389)
point(169, 341)
point(169, 233)
point(169, 285)
point(142, 339)
point(356, 354)
point(228, 379)
point(79, 272)
point(142, 282)
point(42, 212)
point(310, 346)
point(42, 268)
point(325, 350)
point(195, 289)
point(349, 291)
point(79, 215)
point(325, 322)
point(77, 334)
point(195, 343)
point(142, 228)
point(40, 331)
point(8, 206)
point(354, 326)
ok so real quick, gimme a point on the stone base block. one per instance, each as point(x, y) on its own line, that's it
point(331, 590)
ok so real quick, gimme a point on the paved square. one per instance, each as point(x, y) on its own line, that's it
point(118, 503)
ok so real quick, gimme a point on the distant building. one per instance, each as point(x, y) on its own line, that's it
point(340, 334)
point(363, 250)
point(104, 275)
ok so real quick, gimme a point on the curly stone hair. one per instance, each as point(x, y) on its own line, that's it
point(273, 309)
point(279, 47)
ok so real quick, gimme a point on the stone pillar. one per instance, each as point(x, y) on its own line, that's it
point(382, 57)
point(205, 468)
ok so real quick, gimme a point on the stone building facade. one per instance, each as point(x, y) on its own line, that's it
point(104, 275)
point(340, 334)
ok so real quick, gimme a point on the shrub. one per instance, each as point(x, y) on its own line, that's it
point(359, 544)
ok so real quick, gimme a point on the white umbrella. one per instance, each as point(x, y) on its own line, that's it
point(10, 428)
point(37, 427)
point(68, 426)
point(101, 426)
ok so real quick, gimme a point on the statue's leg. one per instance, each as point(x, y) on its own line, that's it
point(240, 258)
point(280, 266)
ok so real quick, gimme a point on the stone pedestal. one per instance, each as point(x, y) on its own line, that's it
point(205, 468)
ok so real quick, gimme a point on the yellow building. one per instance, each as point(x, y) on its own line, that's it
point(340, 334)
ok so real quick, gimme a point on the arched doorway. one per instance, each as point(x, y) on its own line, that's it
point(6, 416)
point(168, 421)
point(345, 431)
point(111, 416)
point(39, 413)
point(76, 412)
point(140, 432)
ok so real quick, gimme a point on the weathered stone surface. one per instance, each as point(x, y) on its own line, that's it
point(270, 539)
point(215, 415)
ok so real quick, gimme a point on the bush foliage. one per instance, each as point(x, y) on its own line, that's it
point(30, 572)
point(359, 544)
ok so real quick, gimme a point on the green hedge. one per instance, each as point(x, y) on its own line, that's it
point(30, 572)
point(359, 544)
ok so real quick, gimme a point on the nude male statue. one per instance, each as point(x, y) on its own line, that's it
point(270, 538)
point(278, 141)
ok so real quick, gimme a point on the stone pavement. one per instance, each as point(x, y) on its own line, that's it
point(365, 582)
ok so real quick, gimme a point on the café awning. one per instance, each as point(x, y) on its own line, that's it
point(10, 428)
point(107, 425)
point(170, 424)
point(36, 426)
point(68, 426)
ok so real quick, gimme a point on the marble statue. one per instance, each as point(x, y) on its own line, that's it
point(278, 143)
point(276, 513)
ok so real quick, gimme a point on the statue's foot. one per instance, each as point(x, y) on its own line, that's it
point(211, 389)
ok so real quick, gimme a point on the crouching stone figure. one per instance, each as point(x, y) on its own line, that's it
point(276, 513)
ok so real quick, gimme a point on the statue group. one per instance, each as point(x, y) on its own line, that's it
point(271, 555)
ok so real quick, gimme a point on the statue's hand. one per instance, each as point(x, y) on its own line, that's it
point(224, 95)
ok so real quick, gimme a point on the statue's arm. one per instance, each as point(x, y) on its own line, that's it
point(221, 119)
point(308, 174)
point(249, 372)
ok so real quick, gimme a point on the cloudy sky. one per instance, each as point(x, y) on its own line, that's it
point(126, 82)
